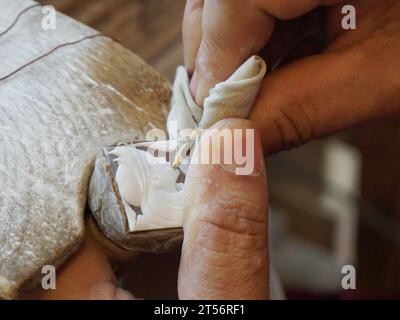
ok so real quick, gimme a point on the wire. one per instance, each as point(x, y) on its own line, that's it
point(21, 13)
point(66, 44)
point(307, 34)
point(12, 25)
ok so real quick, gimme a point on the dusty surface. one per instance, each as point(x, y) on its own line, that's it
point(54, 117)
point(150, 28)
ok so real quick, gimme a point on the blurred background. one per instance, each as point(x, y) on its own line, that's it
point(334, 202)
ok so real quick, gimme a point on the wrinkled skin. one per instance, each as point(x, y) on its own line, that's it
point(356, 79)
point(225, 250)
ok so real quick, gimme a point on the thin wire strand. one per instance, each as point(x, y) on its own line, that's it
point(308, 34)
point(66, 44)
point(21, 13)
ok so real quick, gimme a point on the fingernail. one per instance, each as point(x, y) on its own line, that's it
point(193, 84)
point(235, 146)
point(202, 90)
point(199, 88)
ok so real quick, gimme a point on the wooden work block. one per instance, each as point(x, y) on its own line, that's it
point(55, 115)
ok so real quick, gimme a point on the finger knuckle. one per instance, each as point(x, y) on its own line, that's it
point(295, 121)
point(240, 223)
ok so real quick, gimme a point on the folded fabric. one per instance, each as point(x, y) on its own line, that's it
point(232, 98)
point(148, 185)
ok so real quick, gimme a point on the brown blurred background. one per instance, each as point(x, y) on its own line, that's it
point(360, 211)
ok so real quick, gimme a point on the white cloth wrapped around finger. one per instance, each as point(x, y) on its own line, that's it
point(232, 98)
point(150, 188)
point(148, 185)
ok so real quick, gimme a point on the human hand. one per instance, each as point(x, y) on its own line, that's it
point(225, 249)
point(356, 79)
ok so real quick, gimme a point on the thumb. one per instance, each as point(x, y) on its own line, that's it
point(324, 94)
point(225, 248)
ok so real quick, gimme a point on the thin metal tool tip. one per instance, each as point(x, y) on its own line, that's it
point(176, 163)
point(184, 149)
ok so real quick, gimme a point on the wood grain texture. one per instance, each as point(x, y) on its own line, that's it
point(150, 28)
point(54, 117)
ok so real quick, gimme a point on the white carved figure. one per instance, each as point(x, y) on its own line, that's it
point(151, 184)
point(152, 188)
